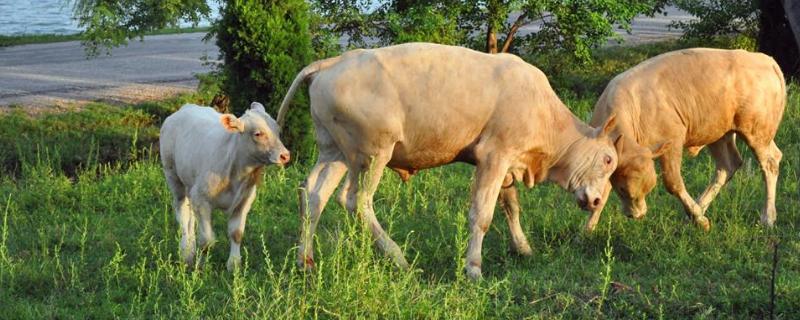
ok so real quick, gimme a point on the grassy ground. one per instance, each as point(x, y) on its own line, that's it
point(85, 235)
point(6, 41)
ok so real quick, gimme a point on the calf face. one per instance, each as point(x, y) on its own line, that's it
point(635, 176)
point(260, 133)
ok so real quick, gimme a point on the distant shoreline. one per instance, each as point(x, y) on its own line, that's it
point(15, 40)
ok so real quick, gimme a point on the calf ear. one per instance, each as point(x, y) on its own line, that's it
point(231, 123)
point(607, 127)
point(257, 106)
point(659, 149)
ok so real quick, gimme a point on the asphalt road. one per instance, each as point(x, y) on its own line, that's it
point(58, 75)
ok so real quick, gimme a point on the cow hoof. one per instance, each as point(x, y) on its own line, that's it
point(234, 263)
point(703, 223)
point(474, 273)
point(306, 263)
point(767, 220)
point(524, 250)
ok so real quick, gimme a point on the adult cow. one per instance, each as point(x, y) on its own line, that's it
point(214, 160)
point(416, 106)
point(690, 99)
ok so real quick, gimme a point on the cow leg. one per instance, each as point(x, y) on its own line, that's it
point(769, 157)
point(359, 201)
point(236, 223)
point(671, 164)
point(509, 200)
point(313, 196)
point(343, 191)
point(489, 176)
point(184, 216)
point(202, 210)
point(728, 160)
point(594, 216)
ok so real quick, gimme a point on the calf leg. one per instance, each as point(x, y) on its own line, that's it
point(184, 216)
point(202, 210)
point(489, 176)
point(671, 164)
point(313, 196)
point(236, 223)
point(769, 157)
point(728, 160)
point(360, 201)
point(510, 203)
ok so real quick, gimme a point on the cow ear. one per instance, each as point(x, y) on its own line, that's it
point(231, 123)
point(258, 107)
point(660, 149)
point(607, 127)
point(618, 144)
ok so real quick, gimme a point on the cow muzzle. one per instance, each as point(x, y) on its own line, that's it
point(588, 201)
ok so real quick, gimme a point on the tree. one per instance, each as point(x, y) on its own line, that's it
point(111, 23)
point(776, 38)
point(566, 25)
point(764, 20)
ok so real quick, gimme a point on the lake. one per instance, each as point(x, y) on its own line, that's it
point(18, 17)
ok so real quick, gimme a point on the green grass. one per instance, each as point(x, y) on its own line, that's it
point(101, 242)
point(16, 40)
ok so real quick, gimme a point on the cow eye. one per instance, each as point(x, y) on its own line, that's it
point(258, 134)
point(607, 159)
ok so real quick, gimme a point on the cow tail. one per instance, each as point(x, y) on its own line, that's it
point(302, 77)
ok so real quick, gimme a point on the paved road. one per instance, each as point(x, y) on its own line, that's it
point(55, 75)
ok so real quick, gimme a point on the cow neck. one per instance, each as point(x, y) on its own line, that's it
point(566, 141)
point(240, 166)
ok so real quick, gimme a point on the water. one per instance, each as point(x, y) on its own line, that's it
point(18, 17)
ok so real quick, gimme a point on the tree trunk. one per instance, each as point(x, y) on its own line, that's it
point(776, 38)
point(792, 9)
point(491, 39)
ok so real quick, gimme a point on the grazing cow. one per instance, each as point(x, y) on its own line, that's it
point(213, 160)
point(690, 99)
point(416, 106)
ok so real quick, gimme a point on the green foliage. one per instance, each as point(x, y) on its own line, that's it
point(110, 24)
point(719, 17)
point(572, 27)
point(424, 24)
point(264, 44)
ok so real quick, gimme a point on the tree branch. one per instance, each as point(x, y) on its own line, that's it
point(513, 31)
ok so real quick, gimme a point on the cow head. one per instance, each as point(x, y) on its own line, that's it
point(587, 165)
point(259, 131)
point(636, 176)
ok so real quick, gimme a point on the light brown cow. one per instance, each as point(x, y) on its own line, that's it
point(690, 99)
point(416, 106)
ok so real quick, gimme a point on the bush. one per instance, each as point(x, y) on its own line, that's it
point(264, 44)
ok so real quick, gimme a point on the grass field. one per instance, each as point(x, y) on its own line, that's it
point(87, 231)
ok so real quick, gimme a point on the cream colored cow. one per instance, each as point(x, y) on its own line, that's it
point(214, 161)
point(690, 99)
point(416, 106)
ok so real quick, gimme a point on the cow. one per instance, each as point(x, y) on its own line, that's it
point(215, 161)
point(690, 99)
point(416, 106)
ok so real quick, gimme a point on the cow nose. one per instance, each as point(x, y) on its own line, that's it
point(284, 158)
point(589, 205)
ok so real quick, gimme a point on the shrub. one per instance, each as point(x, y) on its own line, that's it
point(264, 44)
